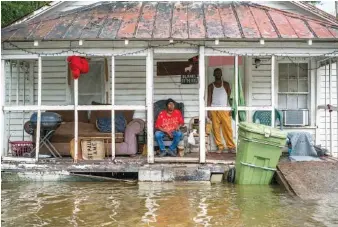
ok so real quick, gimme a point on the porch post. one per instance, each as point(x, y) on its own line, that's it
point(312, 94)
point(112, 110)
point(17, 81)
point(150, 104)
point(236, 98)
point(247, 84)
point(201, 72)
point(325, 113)
point(10, 83)
point(337, 97)
point(31, 82)
point(2, 113)
point(38, 127)
point(76, 119)
point(273, 91)
point(318, 93)
point(330, 102)
point(8, 128)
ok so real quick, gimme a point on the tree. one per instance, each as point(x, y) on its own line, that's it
point(12, 11)
point(314, 2)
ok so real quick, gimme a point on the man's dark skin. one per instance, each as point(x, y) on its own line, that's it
point(170, 109)
point(218, 84)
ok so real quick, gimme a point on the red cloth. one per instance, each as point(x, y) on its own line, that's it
point(78, 65)
point(169, 122)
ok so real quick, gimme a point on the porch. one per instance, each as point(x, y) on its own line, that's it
point(125, 79)
point(137, 167)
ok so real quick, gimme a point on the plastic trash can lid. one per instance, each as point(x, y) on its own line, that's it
point(265, 130)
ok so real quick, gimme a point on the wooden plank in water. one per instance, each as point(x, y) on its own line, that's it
point(311, 179)
point(283, 182)
point(99, 178)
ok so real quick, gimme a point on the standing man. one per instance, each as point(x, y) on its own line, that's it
point(218, 96)
point(169, 122)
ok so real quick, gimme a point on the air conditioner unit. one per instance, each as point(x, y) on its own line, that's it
point(296, 117)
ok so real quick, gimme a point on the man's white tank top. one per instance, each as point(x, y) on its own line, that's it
point(219, 96)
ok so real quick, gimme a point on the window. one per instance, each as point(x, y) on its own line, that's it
point(293, 86)
point(293, 93)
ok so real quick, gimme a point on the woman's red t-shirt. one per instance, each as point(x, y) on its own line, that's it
point(169, 122)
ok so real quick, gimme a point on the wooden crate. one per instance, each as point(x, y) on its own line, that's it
point(93, 149)
point(83, 154)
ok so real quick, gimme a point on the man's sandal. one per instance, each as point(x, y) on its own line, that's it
point(219, 151)
point(232, 150)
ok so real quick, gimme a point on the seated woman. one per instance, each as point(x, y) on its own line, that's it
point(169, 122)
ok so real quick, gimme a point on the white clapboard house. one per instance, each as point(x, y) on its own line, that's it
point(285, 54)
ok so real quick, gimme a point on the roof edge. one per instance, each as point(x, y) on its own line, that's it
point(316, 11)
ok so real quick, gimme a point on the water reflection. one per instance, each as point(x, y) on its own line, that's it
point(160, 204)
point(148, 191)
point(202, 216)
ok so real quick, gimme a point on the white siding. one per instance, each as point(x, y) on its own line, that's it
point(131, 89)
point(130, 86)
point(54, 85)
point(325, 115)
point(261, 83)
point(14, 121)
point(54, 81)
point(261, 89)
point(22, 84)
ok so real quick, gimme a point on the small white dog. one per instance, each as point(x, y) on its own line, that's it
point(188, 69)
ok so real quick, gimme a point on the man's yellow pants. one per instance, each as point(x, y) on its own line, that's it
point(222, 119)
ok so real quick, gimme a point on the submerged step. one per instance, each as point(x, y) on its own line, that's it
point(174, 174)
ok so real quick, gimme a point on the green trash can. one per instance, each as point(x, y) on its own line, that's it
point(258, 153)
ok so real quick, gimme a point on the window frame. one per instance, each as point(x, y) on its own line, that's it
point(105, 80)
point(308, 93)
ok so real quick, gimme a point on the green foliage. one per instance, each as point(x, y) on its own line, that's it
point(12, 11)
point(314, 2)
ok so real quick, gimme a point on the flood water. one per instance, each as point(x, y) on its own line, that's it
point(159, 204)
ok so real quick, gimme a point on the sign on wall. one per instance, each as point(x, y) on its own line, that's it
point(188, 70)
point(189, 79)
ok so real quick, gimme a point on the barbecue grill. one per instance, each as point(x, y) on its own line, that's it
point(49, 123)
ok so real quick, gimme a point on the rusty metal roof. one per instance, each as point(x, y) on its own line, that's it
point(176, 20)
point(315, 10)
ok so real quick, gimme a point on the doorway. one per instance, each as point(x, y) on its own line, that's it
point(92, 84)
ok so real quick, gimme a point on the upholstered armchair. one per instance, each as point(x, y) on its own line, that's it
point(158, 107)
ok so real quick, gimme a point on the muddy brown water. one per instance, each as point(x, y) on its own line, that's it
point(160, 204)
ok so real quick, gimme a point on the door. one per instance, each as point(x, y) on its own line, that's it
point(92, 84)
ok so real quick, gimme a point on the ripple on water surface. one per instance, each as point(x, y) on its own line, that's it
point(160, 204)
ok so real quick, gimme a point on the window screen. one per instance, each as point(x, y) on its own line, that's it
point(293, 91)
point(91, 84)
